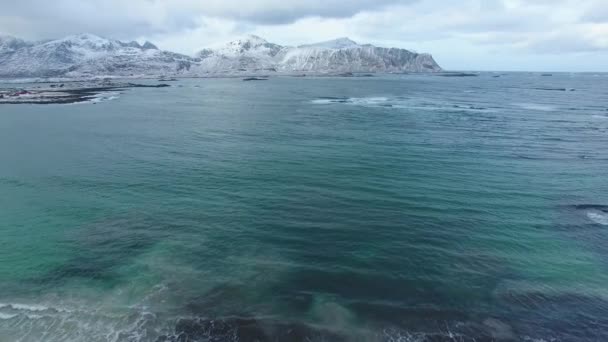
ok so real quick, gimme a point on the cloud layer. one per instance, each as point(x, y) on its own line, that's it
point(453, 30)
point(119, 17)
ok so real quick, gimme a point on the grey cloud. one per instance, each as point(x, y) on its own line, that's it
point(124, 19)
point(118, 19)
point(297, 10)
point(511, 26)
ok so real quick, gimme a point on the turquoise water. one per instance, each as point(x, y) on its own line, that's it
point(397, 208)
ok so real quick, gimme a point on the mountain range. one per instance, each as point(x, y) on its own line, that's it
point(87, 55)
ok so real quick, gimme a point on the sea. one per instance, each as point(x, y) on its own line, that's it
point(387, 208)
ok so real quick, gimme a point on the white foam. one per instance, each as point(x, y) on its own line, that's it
point(368, 100)
point(357, 101)
point(104, 97)
point(536, 106)
point(405, 103)
point(27, 310)
point(24, 307)
point(101, 97)
point(7, 316)
point(40, 323)
point(598, 217)
point(324, 101)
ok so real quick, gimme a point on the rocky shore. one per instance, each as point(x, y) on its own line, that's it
point(66, 93)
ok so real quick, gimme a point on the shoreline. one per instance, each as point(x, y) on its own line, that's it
point(59, 94)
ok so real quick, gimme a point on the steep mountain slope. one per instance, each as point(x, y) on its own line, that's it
point(341, 55)
point(90, 55)
point(10, 44)
point(345, 55)
point(340, 43)
point(84, 55)
point(250, 53)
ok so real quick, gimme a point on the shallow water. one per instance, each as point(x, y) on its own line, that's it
point(397, 208)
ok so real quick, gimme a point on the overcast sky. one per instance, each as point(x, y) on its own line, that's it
point(566, 35)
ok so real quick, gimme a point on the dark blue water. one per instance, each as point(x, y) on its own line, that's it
point(395, 208)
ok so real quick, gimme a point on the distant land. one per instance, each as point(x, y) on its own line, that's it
point(88, 55)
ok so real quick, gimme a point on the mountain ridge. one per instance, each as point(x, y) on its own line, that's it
point(88, 54)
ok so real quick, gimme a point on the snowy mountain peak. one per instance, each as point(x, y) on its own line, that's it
point(247, 43)
point(251, 46)
point(4, 37)
point(92, 42)
point(252, 38)
point(8, 38)
point(87, 54)
point(10, 43)
point(86, 39)
point(340, 43)
point(91, 55)
point(149, 46)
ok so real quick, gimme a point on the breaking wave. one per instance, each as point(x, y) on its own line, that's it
point(103, 97)
point(31, 322)
point(25, 322)
point(359, 101)
point(536, 107)
point(401, 103)
point(598, 217)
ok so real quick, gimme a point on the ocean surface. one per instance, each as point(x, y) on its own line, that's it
point(390, 208)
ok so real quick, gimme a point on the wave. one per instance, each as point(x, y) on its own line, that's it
point(330, 100)
point(536, 107)
point(599, 217)
point(37, 322)
point(97, 98)
point(6, 316)
point(360, 101)
point(400, 103)
point(251, 329)
point(555, 89)
point(24, 307)
point(34, 322)
point(102, 97)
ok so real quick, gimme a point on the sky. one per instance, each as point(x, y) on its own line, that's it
point(526, 35)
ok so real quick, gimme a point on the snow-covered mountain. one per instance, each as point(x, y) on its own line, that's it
point(345, 55)
point(86, 55)
point(90, 55)
point(340, 43)
point(254, 54)
point(10, 44)
point(250, 53)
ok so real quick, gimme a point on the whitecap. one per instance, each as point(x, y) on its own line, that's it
point(25, 307)
point(536, 106)
point(357, 101)
point(7, 316)
point(31, 322)
point(101, 97)
point(325, 101)
point(104, 97)
point(598, 217)
point(402, 103)
point(368, 100)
